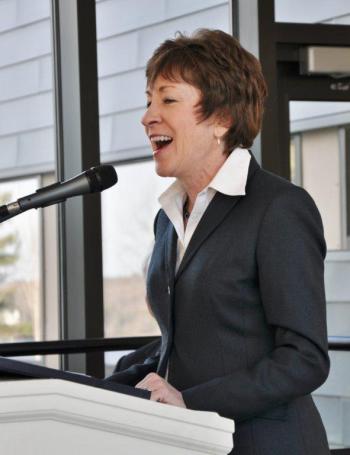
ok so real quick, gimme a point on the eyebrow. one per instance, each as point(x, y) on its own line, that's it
point(161, 89)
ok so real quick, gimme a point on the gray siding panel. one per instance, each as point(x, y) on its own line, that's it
point(338, 318)
point(8, 13)
point(125, 43)
point(150, 38)
point(106, 134)
point(33, 10)
point(119, 16)
point(113, 16)
point(128, 131)
point(36, 147)
point(25, 43)
point(342, 20)
point(310, 11)
point(337, 383)
point(337, 281)
point(117, 54)
point(26, 114)
point(332, 409)
point(16, 13)
point(8, 152)
point(19, 80)
point(46, 73)
point(181, 7)
point(121, 69)
point(126, 154)
point(122, 92)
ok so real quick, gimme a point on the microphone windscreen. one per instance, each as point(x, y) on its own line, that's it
point(101, 177)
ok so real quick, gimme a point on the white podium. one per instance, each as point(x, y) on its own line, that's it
point(55, 417)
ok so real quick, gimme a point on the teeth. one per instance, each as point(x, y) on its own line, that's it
point(160, 138)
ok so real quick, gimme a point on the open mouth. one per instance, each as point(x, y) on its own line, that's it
point(160, 142)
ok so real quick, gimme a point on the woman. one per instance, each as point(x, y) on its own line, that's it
point(235, 280)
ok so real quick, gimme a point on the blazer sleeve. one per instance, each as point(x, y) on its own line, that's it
point(290, 260)
point(133, 367)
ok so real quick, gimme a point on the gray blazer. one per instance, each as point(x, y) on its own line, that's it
point(243, 321)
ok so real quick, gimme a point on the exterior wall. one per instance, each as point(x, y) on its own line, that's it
point(125, 42)
point(333, 398)
point(26, 101)
point(325, 11)
point(128, 31)
point(321, 178)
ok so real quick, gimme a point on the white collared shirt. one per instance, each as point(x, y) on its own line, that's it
point(231, 179)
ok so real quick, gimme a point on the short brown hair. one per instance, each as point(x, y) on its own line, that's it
point(229, 78)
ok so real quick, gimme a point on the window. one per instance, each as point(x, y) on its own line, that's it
point(28, 307)
point(312, 11)
point(318, 162)
point(125, 42)
point(319, 156)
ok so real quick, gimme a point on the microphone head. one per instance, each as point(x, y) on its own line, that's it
point(101, 177)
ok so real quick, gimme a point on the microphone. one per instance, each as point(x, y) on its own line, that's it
point(93, 180)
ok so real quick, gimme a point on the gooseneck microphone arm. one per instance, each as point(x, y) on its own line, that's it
point(93, 180)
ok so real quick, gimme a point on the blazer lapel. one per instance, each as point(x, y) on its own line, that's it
point(170, 263)
point(170, 255)
point(217, 210)
point(215, 213)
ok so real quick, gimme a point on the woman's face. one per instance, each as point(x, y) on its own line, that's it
point(180, 143)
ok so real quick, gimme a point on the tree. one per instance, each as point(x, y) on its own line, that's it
point(9, 247)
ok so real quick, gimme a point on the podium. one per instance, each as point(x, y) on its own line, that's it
point(54, 416)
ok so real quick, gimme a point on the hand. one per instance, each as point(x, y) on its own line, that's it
point(161, 390)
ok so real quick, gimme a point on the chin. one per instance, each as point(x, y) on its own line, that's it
point(162, 171)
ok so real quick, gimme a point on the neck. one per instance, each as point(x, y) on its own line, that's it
point(195, 182)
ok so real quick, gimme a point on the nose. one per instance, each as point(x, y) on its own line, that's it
point(151, 116)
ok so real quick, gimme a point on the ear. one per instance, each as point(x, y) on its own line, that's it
point(222, 125)
point(220, 130)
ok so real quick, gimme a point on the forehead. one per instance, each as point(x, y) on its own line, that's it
point(161, 84)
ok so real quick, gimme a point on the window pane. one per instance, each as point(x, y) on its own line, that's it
point(30, 308)
point(111, 360)
point(318, 162)
point(318, 157)
point(333, 401)
point(26, 99)
point(128, 210)
point(312, 11)
point(20, 283)
point(125, 42)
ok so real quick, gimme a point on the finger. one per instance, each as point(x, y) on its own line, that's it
point(157, 395)
point(143, 383)
point(152, 382)
point(147, 380)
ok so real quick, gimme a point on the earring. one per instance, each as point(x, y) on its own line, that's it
point(218, 140)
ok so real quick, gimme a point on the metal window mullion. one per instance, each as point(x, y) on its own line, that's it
point(297, 141)
point(41, 267)
point(343, 188)
point(77, 128)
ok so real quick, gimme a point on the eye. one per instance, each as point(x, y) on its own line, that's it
point(168, 100)
point(148, 104)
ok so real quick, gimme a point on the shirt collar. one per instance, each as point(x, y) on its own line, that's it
point(175, 192)
point(231, 179)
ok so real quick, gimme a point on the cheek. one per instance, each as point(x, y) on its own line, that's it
point(191, 135)
point(202, 136)
point(184, 135)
